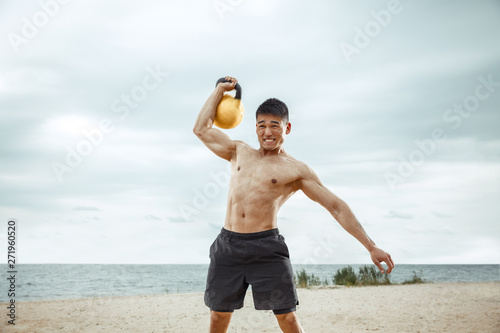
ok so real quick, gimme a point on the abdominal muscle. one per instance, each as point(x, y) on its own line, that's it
point(253, 204)
point(249, 216)
point(259, 186)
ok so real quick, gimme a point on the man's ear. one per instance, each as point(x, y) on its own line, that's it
point(288, 128)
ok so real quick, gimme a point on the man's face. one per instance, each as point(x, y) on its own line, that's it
point(271, 131)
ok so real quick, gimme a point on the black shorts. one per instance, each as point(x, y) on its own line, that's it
point(258, 259)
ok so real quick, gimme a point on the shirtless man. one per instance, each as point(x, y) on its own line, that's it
point(249, 249)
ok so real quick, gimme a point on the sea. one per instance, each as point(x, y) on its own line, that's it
point(36, 282)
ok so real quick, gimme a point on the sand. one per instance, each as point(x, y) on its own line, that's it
point(433, 307)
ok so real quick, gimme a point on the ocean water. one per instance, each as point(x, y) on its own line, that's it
point(65, 281)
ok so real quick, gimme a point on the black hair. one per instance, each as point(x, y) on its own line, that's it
point(275, 107)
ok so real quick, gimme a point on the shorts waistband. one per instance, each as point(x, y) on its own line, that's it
point(251, 235)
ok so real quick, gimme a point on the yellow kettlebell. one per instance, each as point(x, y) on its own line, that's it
point(230, 109)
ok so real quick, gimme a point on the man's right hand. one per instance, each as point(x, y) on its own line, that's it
point(217, 141)
point(228, 86)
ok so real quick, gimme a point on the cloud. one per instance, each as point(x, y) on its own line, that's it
point(441, 215)
point(179, 219)
point(86, 208)
point(399, 215)
point(152, 218)
point(350, 122)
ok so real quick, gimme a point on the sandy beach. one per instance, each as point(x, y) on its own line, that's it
point(433, 307)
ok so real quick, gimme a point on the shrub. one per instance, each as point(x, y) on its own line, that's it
point(367, 276)
point(415, 279)
point(304, 280)
point(371, 276)
point(345, 277)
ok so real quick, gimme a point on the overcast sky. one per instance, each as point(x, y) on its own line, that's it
point(395, 105)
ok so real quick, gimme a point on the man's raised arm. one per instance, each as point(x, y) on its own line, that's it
point(315, 190)
point(214, 139)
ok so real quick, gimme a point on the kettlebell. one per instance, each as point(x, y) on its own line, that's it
point(230, 109)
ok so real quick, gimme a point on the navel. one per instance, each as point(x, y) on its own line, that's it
point(273, 181)
point(243, 215)
point(239, 168)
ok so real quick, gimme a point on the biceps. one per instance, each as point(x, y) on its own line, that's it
point(218, 142)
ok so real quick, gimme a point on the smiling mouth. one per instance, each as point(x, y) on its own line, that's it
point(268, 140)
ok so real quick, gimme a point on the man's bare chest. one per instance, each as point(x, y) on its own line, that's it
point(267, 172)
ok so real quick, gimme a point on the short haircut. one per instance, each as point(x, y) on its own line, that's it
point(275, 107)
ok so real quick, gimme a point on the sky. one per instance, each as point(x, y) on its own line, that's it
point(394, 104)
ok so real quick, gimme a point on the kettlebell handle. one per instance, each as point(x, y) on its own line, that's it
point(237, 87)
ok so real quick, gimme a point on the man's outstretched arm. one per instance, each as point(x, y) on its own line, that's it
point(214, 139)
point(315, 190)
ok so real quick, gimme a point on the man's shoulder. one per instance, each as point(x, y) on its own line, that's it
point(242, 145)
point(301, 167)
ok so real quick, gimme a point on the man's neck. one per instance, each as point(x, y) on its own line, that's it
point(278, 151)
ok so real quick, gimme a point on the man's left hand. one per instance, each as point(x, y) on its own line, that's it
point(379, 256)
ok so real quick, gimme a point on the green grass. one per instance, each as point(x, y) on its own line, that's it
point(416, 279)
point(346, 276)
point(304, 280)
point(367, 276)
point(371, 276)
